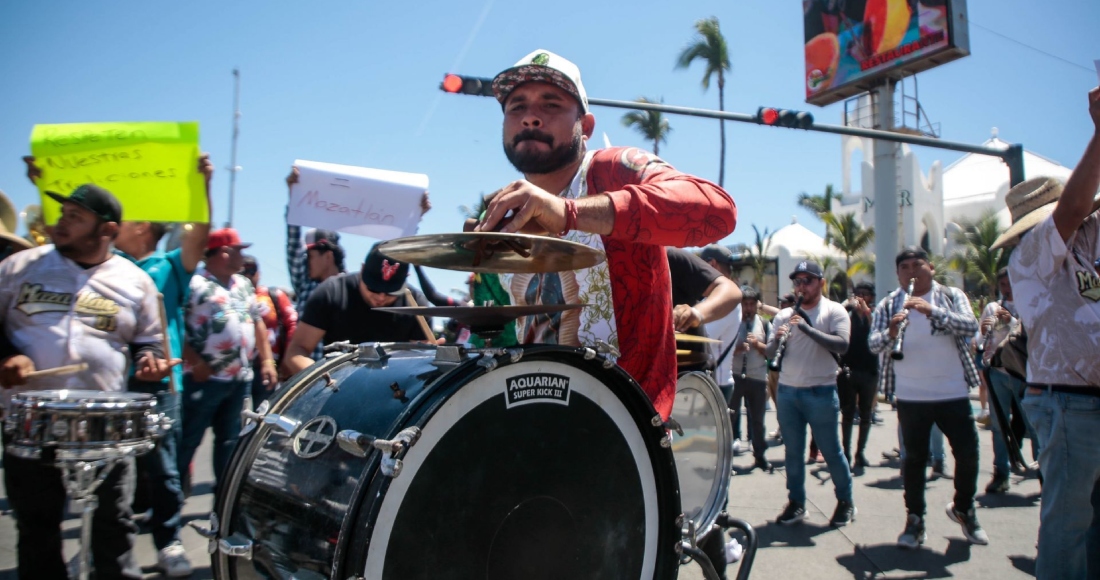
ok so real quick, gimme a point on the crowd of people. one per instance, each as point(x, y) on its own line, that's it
point(821, 363)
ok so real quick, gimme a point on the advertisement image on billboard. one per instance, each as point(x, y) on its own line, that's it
point(852, 44)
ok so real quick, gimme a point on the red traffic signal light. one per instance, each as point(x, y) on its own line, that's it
point(784, 118)
point(459, 84)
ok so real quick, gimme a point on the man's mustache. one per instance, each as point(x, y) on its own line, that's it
point(532, 134)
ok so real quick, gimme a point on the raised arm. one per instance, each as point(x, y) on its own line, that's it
point(1077, 198)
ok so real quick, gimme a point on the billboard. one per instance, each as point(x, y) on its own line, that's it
point(851, 45)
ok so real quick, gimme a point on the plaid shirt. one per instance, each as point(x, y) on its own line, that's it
point(297, 263)
point(951, 315)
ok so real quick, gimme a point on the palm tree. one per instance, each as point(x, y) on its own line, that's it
point(651, 124)
point(831, 269)
point(849, 237)
point(975, 260)
point(709, 46)
point(758, 256)
point(818, 204)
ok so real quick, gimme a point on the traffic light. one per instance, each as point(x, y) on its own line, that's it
point(784, 118)
point(459, 84)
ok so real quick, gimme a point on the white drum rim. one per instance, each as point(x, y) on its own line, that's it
point(702, 383)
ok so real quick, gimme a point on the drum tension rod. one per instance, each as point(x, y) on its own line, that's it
point(359, 444)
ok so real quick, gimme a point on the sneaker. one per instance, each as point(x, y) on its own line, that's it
point(844, 514)
point(939, 468)
point(762, 464)
point(997, 485)
point(736, 446)
point(734, 551)
point(777, 434)
point(894, 453)
point(983, 419)
point(792, 514)
point(876, 419)
point(913, 535)
point(970, 526)
point(173, 562)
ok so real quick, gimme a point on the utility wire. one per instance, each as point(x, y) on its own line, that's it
point(1025, 45)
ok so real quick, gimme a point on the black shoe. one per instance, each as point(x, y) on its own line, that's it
point(861, 461)
point(844, 514)
point(997, 485)
point(913, 535)
point(938, 468)
point(970, 526)
point(792, 514)
point(763, 464)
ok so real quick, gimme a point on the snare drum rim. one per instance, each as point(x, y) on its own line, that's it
point(424, 407)
point(720, 488)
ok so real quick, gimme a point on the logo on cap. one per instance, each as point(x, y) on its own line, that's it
point(388, 269)
point(802, 266)
point(541, 59)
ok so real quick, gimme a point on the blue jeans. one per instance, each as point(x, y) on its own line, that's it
point(819, 408)
point(1008, 389)
point(158, 471)
point(215, 404)
point(1069, 458)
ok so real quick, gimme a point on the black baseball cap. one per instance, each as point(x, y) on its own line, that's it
point(720, 254)
point(95, 199)
point(808, 267)
point(383, 275)
point(910, 253)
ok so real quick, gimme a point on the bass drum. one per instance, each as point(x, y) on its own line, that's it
point(402, 462)
point(701, 444)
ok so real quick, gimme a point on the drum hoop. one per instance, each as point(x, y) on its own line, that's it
point(724, 432)
point(431, 400)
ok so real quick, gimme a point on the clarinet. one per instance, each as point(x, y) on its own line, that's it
point(744, 357)
point(897, 354)
point(777, 361)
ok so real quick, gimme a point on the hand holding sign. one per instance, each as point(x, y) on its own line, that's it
point(149, 167)
point(356, 200)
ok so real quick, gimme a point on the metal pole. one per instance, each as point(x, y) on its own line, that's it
point(233, 152)
point(886, 191)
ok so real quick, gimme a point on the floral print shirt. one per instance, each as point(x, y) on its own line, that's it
point(221, 325)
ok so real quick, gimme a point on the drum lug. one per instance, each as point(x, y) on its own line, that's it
point(606, 348)
point(211, 533)
point(236, 546)
point(371, 352)
point(666, 441)
point(359, 444)
point(448, 355)
point(286, 425)
point(488, 362)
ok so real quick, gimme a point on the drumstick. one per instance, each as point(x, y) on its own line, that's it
point(167, 344)
point(423, 323)
point(65, 370)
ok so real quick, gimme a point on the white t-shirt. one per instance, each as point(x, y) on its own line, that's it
point(1056, 290)
point(725, 329)
point(58, 313)
point(805, 362)
point(931, 369)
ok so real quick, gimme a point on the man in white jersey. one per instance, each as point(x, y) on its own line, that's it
point(750, 374)
point(76, 302)
point(814, 332)
point(1057, 290)
point(932, 386)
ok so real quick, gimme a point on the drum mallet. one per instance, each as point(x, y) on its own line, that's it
point(423, 323)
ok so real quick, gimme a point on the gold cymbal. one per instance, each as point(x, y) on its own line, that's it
point(492, 252)
point(681, 337)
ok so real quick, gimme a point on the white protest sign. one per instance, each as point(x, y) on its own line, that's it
point(356, 200)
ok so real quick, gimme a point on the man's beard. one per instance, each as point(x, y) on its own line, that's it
point(79, 247)
point(537, 163)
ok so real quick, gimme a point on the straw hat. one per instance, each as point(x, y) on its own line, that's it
point(1029, 203)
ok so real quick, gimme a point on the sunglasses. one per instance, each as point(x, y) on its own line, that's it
point(802, 281)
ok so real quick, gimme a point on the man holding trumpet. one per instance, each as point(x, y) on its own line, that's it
point(926, 330)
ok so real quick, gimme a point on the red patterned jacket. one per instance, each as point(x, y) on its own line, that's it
point(655, 206)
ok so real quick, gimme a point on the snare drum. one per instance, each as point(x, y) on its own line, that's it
point(406, 461)
point(69, 425)
point(702, 448)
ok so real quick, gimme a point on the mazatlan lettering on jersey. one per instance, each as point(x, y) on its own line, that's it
point(536, 388)
point(34, 300)
point(1088, 284)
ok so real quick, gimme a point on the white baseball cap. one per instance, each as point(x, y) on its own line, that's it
point(541, 66)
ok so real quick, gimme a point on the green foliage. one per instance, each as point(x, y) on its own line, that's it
point(758, 255)
point(975, 259)
point(709, 46)
point(849, 237)
point(653, 125)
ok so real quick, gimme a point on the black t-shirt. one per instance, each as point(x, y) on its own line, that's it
point(859, 356)
point(691, 276)
point(337, 308)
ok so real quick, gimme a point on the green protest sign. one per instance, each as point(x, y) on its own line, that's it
point(151, 167)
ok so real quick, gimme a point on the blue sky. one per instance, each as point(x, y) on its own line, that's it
point(357, 83)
